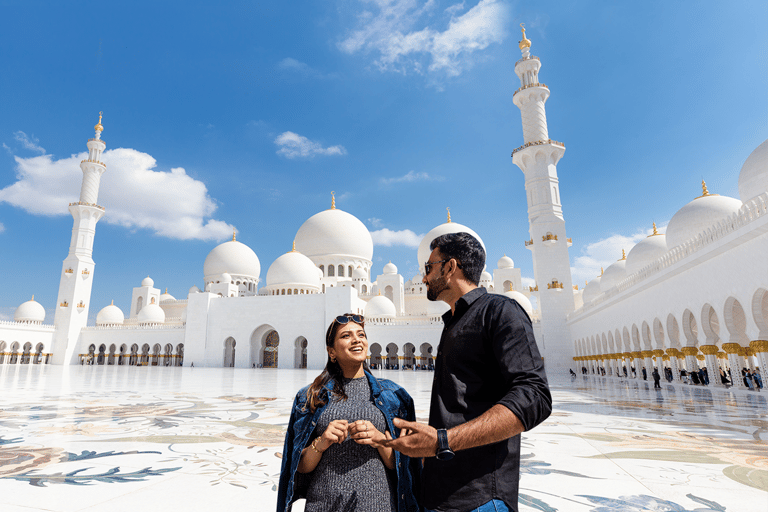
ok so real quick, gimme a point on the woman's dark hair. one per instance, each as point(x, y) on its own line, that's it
point(332, 370)
point(466, 250)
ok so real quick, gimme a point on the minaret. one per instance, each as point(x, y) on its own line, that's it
point(538, 158)
point(77, 270)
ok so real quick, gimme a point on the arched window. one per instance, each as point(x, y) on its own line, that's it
point(341, 270)
point(139, 304)
point(331, 270)
point(289, 291)
point(349, 273)
point(322, 269)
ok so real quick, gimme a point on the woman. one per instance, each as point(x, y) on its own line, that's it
point(331, 454)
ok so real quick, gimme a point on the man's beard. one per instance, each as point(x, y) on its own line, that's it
point(435, 287)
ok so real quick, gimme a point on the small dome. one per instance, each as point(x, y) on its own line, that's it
point(485, 277)
point(225, 278)
point(522, 300)
point(30, 311)
point(166, 296)
point(592, 290)
point(359, 273)
point(380, 306)
point(442, 229)
point(646, 252)
point(194, 289)
point(151, 314)
point(147, 281)
point(295, 269)
point(234, 258)
point(505, 262)
point(334, 233)
point(110, 315)
point(614, 274)
point(753, 179)
point(699, 215)
point(390, 268)
point(417, 279)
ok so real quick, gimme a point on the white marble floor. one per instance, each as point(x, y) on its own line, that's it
point(126, 438)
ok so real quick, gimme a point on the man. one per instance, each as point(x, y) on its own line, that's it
point(656, 378)
point(489, 386)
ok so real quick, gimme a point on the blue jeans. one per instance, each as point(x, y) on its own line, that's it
point(491, 506)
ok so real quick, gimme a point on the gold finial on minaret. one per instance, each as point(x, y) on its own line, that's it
point(33, 297)
point(166, 290)
point(623, 255)
point(704, 191)
point(112, 303)
point(333, 200)
point(585, 283)
point(525, 43)
point(234, 239)
point(294, 246)
point(449, 215)
point(98, 127)
point(601, 272)
point(655, 231)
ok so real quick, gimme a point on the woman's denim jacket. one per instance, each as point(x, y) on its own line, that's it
point(390, 399)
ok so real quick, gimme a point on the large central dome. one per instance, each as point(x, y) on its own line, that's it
point(233, 258)
point(334, 232)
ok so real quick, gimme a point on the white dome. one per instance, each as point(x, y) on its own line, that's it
point(646, 251)
point(359, 273)
point(614, 274)
point(390, 268)
point(166, 296)
point(334, 233)
point(110, 315)
point(232, 258)
point(753, 179)
point(147, 281)
point(485, 277)
point(225, 278)
point(151, 314)
point(522, 300)
point(442, 229)
point(505, 262)
point(380, 306)
point(295, 269)
point(591, 290)
point(194, 289)
point(30, 311)
point(699, 215)
point(417, 279)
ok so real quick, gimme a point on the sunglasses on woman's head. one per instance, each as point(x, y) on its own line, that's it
point(345, 319)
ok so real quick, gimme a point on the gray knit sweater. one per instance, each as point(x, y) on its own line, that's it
point(351, 476)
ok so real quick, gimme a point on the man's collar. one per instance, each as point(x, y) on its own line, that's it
point(464, 302)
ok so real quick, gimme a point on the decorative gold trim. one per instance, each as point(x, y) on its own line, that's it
point(538, 143)
point(94, 162)
point(554, 285)
point(759, 346)
point(529, 242)
point(522, 88)
point(548, 237)
point(525, 43)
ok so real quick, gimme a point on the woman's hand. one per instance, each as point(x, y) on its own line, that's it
point(335, 433)
point(364, 432)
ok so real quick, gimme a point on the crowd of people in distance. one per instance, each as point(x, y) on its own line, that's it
point(753, 380)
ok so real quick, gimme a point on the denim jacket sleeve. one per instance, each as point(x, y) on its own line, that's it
point(300, 427)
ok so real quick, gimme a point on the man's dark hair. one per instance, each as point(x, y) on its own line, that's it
point(466, 250)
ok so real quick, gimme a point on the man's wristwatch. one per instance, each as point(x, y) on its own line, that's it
point(444, 451)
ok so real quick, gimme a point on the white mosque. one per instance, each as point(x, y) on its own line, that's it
point(706, 277)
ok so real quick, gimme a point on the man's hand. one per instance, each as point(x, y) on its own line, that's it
point(416, 439)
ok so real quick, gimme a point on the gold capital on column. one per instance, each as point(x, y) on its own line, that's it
point(689, 351)
point(673, 352)
point(665, 358)
point(731, 348)
point(658, 353)
point(700, 357)
point(759, 345)
point(647, 353)
point(709, 349)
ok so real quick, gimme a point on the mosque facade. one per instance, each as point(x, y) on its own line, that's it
point(696, 295)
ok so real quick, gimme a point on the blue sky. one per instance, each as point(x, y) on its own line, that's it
point(248, 115)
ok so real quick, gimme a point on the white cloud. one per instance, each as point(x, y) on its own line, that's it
point(171, 204)
point(292, 145)
point(603, 253)
point(410, 177)
point(388, 238)
point(28, 142)
point(527, 281)
point(389, 33)
point(377, 223)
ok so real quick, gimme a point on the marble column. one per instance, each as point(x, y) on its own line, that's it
point(648, 361)
point(760, 348)
point(691, 365)
point(710, 360)
point(674, 363)
point(734, 351)
point(748, 353)
point(658, 357)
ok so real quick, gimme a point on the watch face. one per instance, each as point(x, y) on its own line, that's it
point(444, 455)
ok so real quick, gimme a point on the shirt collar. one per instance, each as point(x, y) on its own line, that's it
point(463, 303)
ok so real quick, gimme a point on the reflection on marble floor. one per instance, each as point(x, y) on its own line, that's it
point(127, 438)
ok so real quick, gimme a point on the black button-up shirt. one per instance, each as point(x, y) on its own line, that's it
point(487, 356)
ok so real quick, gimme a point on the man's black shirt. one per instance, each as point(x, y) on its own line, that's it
point(487, 356)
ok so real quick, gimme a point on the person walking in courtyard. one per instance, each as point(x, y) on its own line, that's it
point(489, 386)
point(656, 378)
point(758, 379)
point(333, 453)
